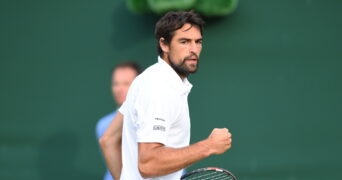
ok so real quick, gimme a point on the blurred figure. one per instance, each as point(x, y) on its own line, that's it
point(122, 76)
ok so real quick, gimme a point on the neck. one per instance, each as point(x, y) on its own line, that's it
point(179, 71)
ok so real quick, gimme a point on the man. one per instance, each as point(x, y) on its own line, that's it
point(153, 124)
point(122, 76)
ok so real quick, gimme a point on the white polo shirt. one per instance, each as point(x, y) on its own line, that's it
point(155, 110)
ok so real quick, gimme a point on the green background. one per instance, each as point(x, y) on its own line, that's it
point(270, 72)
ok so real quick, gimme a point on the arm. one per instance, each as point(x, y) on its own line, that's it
point(110, 144)
point(156, 160)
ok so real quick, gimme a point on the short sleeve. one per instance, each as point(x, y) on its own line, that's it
point(155, 110)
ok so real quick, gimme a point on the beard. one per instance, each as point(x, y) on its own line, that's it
point(183, 69)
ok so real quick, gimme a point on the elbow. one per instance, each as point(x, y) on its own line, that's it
point(108, 143)
point(146, 171)
point(104, 142)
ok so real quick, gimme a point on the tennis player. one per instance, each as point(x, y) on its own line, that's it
point(149, 138)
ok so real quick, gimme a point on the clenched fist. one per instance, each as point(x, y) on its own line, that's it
point(219, 140)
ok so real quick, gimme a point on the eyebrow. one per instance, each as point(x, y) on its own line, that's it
point(187, 39)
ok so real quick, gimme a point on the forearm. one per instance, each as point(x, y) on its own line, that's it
point(112, 156)
point(110, 144)
point(156, 160)
point(161, 160)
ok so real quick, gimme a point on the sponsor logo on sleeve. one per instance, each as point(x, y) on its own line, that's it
point(159, 119)
point(159, 128)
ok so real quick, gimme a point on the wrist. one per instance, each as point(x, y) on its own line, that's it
point(205, 146)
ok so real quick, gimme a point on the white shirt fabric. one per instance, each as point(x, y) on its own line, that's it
point(155, 110)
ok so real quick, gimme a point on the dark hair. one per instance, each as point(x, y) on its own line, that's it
point(128, 64)
point(172, 21)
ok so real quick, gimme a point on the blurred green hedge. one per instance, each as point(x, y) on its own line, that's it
point(207, 8)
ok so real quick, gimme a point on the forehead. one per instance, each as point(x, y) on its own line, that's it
point(188, 31)
point(123, 71)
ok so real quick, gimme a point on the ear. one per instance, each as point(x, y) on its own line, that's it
point(163, 45)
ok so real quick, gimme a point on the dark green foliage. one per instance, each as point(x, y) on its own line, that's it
point(208, 8)
point(215, 7)
point(138, 6)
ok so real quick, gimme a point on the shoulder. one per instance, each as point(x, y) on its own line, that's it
point(153, 77)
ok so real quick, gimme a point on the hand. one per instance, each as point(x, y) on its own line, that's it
point(219, 140)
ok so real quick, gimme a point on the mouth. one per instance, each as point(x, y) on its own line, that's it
point(194, 59)
point(191, 61)
point(191, 58)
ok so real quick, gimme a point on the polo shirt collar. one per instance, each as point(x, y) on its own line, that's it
point(184, 86)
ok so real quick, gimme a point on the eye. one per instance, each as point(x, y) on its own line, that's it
point(199, 41)
point(183, 41)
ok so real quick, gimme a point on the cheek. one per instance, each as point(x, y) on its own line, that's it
point(179, 53)
point(122, 89)
point(117, 88)
point(125, 89)
point(199, 47)
point(115, 91)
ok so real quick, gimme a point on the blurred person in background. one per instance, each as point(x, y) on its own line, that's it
point(122, 76)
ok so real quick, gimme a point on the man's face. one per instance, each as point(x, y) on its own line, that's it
point(184, 50)
point(121, 80)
